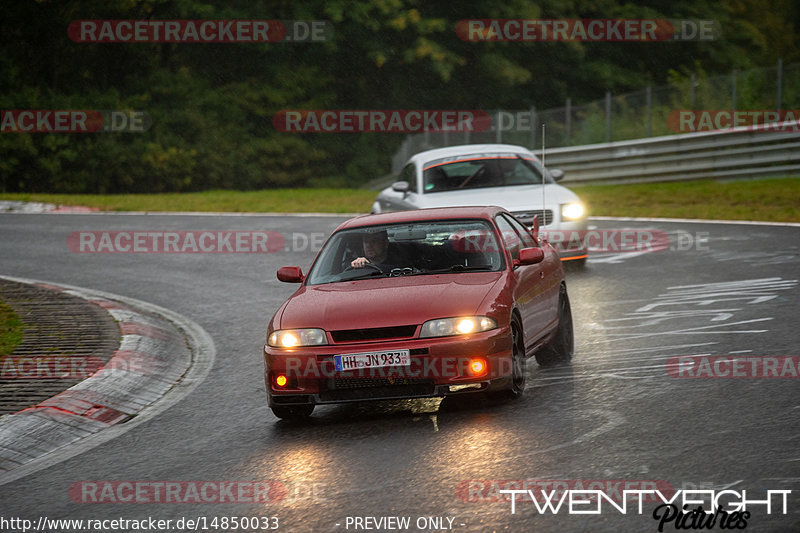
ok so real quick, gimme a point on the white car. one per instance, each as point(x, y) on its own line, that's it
point(492, 174)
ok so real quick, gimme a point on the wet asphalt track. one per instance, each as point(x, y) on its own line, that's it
point(614, 414)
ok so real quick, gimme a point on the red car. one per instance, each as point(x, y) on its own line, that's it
point(417, 304)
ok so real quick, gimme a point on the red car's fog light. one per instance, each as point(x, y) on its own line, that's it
point(284, 381)
point(478, 366)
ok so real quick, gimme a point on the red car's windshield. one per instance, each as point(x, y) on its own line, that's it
point(408, 249)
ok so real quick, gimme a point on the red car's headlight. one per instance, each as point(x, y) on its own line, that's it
point(462, 325)
point(292, 338)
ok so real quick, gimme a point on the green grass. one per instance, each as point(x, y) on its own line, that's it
point(10, 329)
point(266, 201)
point(775, 200)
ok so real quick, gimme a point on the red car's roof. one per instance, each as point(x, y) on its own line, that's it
point(416, 215)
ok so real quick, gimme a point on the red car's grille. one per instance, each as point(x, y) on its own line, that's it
point(382, 392)
point(373, 334)
point(359, 383)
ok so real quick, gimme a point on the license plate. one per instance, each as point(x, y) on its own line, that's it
point(354, 361)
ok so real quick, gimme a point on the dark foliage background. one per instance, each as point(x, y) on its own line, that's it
point(212, 104)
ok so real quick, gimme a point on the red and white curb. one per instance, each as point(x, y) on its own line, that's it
point(161, 358)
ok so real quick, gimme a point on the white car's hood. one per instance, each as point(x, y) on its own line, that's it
point(515, 198)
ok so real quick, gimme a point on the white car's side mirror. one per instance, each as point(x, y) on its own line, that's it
point(400, 186)
point(557, 174)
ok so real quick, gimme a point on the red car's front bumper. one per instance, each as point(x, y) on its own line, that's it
point(439, 366)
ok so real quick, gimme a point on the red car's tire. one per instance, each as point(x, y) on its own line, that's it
point(560, 350)
point(517, 387)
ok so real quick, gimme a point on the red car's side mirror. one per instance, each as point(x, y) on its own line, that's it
point(291, 274)
point(530, 256)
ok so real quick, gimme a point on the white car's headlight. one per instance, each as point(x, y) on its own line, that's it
point(292, 338)
point(572, 211)
point(463, 325)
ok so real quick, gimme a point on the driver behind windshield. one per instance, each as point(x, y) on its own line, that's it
point(377, 252)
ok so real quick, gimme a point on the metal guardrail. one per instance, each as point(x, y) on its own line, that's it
point(745, 152)
point(755, 151)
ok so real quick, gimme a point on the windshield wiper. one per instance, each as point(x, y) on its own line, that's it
point(458, 268)
point(370, 274)
point(453, 268)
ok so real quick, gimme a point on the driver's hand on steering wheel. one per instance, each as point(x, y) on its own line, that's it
point(359, 262)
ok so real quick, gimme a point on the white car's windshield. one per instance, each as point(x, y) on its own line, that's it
point(479, 171)
point(415, 248)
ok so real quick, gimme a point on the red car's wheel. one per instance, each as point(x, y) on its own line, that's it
point(516, 386)
point(560, 350)
point(517, 362)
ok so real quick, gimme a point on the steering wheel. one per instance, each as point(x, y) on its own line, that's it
point(371, 265)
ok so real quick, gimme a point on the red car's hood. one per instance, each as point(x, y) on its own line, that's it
point(387, 301)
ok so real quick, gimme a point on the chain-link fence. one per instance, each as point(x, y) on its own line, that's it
point(640, 114)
